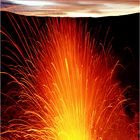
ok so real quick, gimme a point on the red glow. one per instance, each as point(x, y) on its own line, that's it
point(67, 90)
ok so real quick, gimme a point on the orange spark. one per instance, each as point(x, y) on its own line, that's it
point(67, 89)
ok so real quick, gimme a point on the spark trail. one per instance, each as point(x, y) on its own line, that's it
point(66, 89)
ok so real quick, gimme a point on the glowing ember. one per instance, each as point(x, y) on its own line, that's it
point(66, 87)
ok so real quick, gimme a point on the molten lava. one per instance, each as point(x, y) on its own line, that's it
point(66, 87)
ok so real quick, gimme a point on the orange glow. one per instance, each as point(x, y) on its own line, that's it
point(67, 88)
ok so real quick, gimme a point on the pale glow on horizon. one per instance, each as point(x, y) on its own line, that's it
point(71, 8)
point(33, 3)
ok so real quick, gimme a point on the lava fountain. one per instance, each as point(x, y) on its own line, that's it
point(62, 87)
